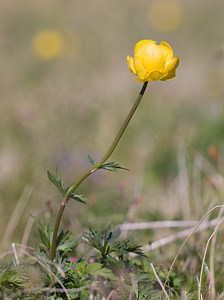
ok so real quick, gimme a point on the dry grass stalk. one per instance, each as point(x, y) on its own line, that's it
point(160, 282)
point(52, 274)
point(205, 252)
point(212, 262)
point(192, 232)
point(179, 235)
point(16, 215)
point(156, 224)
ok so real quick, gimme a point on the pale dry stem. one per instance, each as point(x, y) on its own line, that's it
point(204, 256)
point(160, 282)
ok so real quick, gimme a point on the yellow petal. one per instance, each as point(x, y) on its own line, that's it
point(167, 46)
point(171, 65)
point(153, 58)
point(139, 67)
point(131, 64)
point(169, 76)
point(140, 80)
point(154, 76)
point(143, 42)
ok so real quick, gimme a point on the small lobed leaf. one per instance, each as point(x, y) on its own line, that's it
point(12, 278)
point(57, 181)
point(79, 198)
point(91, 160)
point(68, 246)
point(104, 272)
point(113, 167)
point(115, 234)
point(63, 236)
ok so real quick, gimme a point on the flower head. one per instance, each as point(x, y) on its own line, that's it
point(153, 62)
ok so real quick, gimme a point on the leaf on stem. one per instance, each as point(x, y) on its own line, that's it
point(56, 180)
point(111, 166)
point(79, 198)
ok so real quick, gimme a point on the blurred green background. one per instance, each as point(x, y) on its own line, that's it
point(65, 89)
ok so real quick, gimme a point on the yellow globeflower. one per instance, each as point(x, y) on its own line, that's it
point(153, 62)
point(48, 44)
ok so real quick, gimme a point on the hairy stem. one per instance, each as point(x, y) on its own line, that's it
point(95, 167)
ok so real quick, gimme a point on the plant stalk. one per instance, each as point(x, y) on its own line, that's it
point(94, 168)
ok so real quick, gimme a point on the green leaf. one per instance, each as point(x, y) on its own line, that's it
point(113, 236)
point(91, 160)
point(68, 246)
point(111, 166)
point(96, 269)
point(107, 242)
point(62, 237)
point(12, 278)
point(56, 180)
point(79, 198)
point(46, 233)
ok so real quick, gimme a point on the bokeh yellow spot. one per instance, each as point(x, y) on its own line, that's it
point(165, 15)
point(48, 44)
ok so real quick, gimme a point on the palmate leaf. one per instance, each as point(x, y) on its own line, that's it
point(107, 242)
point(126, 246)
point(111, 166)
point(96, 269)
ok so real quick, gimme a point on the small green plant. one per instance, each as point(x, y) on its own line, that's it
point(151, 62)
point(64, 244)
point(107, 242)
point(70, 191)
point(112, 272)
point(11, 280)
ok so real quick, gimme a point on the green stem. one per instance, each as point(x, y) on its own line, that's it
point(56, 226)
point(94, 168)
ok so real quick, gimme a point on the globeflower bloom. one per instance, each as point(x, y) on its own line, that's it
point(153, 62)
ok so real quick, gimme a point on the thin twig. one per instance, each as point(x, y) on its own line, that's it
point(159, 281)
point(15, 254)
point(16, 214)
point(183, 183)
point(48, 289)
point(110, 295)
point(212, 262)
point(5, 254)
point(205, 252)
point(29, 226)
point(155, 225)
point(49, 271)
point(190, 234)
point(179, 235)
